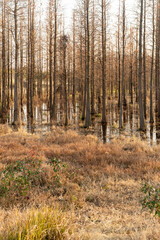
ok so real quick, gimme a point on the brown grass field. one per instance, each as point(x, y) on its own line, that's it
point(98, 196)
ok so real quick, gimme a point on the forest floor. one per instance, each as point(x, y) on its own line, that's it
point(96, 186)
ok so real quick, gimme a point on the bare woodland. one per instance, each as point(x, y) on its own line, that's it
point(90, 64)
point(98, 74)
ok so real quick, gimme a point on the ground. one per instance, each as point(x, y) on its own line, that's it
point(98, 187)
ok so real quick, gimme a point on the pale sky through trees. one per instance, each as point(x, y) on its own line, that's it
point(68, 6)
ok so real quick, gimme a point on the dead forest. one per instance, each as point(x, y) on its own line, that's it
point(97, 59)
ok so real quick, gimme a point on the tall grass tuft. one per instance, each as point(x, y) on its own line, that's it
point(39, 224)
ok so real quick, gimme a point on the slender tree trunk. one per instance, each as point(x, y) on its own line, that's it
point(40, 58)
point(136, 83)
point(16, 66)
point(0, 79)
point(144, 58)
point(131, 67)
point(55, 58)
point(103, 61)
point(123, 60)
point(8, 100)
point(50, 54)
point(87, 121)
point(156, 60)
point(33, 51)
point(64, 47)
point(11, 68)
point(32, 47)
point(74, 61)
point(142, 124)
point(151, 80)
point(81, 66)
point(158, 71)
point(119, 56)
point(47, 83)
point(85, 80)
point(28, 58)
point(69, 69)
point(92, 61)
point(21, 64)
point(3, 59)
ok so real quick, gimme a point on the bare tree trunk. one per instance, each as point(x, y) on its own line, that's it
point(87, 121)
point(8, 100)
point(119, 56)
point(92, 61)
point(81, 65)
point(103, 8)
point(144, 58)
point(157, 60)
point(16, 66)
point(32, 47)
point(136, 83)
point(47, 83)
point(142, 124)
point(40, 58)
point(64, 41)
point(74, 59)
point(55, 58)
point(122, 85)
point(151, 80)
point(158, 71)
point(33, 50)
point(85, 80)
point(0, 79)
point(21, 64)
point(131, 66)
point(3, 59)
point(50, 53)
point(11, 67)
point(69, 70)
point(28, 58)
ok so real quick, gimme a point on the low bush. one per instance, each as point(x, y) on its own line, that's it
point(151, 199)
point(19, 178)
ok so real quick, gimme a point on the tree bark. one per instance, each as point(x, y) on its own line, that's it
point(141, 114)
point(103, 8)
point(87, 121)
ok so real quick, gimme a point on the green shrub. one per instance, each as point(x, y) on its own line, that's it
point(19, 177)
point(152, 199)
point(56, 165)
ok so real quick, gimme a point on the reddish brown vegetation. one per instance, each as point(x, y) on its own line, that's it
point(100, 185)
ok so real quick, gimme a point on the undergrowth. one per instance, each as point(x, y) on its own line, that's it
point(100, 187)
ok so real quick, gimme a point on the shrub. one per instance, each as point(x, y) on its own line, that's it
point(152, 199)
point(19, 177)
point(56, 165)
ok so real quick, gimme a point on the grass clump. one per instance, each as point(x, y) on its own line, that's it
point(39, 224)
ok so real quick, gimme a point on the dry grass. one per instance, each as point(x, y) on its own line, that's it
point(100, 185)
point(44, 223)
